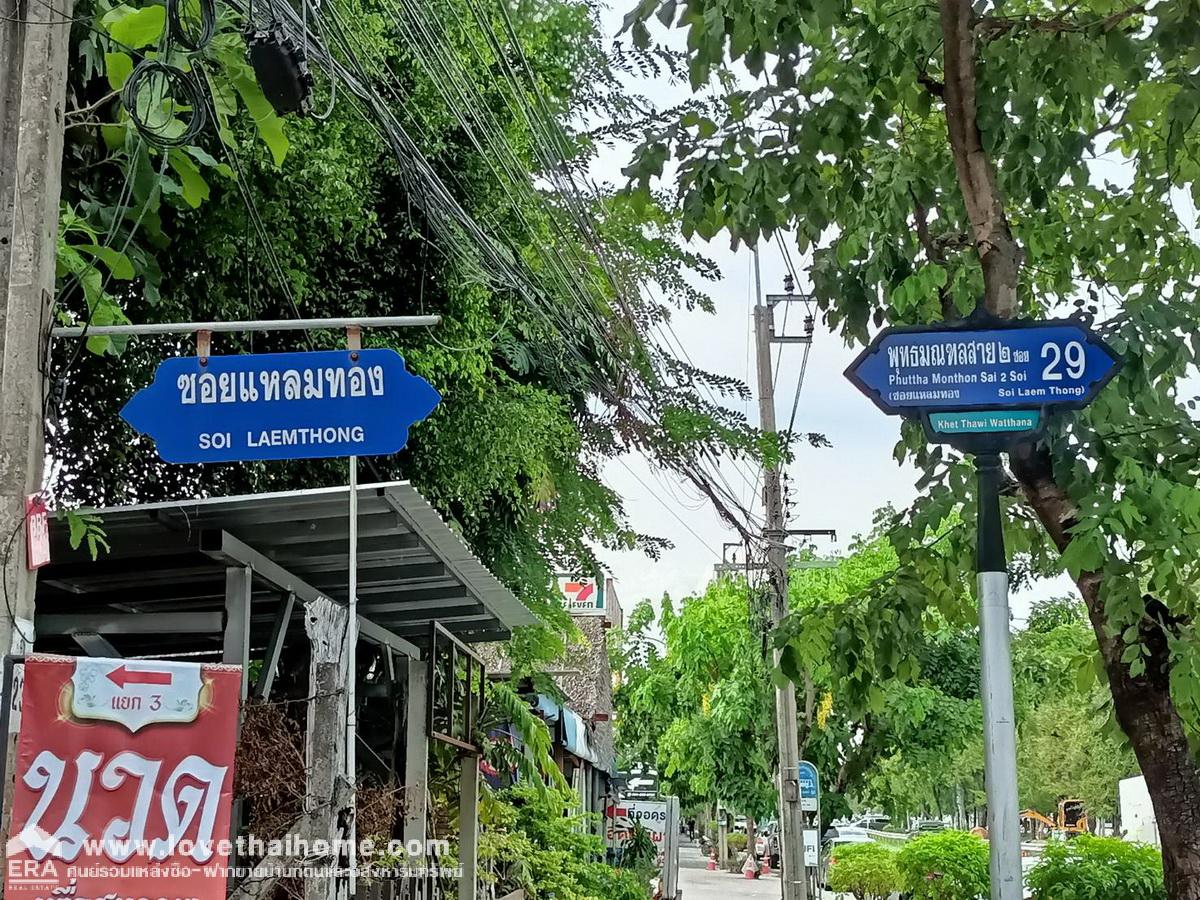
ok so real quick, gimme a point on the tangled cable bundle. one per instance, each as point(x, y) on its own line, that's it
point(156, 90)
point(152, 94)
point(206, 15)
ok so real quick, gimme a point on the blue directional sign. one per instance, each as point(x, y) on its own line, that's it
point(280, 406)
point(1012, 366)
point(810, 786)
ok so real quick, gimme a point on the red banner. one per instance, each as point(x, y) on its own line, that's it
point(124, 780)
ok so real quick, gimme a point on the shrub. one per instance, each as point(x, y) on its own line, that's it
point(529, 844)
point(947, 865)
point(868, 871)
point(1088, 867)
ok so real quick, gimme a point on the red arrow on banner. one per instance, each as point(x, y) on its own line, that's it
point(122, 676)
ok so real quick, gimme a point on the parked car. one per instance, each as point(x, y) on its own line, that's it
point(923, 826)
point(873, 821)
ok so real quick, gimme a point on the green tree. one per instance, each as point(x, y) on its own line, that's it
point(1046, 615)
point(1064, 752)
point(1023, 158)
point(702, 710)
point(901, 699)
point(546, 355)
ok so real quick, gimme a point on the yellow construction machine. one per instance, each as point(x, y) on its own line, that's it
point(1072, 818)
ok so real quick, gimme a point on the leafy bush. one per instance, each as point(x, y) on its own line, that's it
point(948, 865)
point(529, 844)
point(1088, 867)
point(639, 853)
point(736, 841)
point(868, 871)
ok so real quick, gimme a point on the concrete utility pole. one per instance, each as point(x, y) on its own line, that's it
point(791, 818)
point(34, 41)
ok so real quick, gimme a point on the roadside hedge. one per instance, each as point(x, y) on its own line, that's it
point(946, 865)
point(1088, 868)
point(868, 871)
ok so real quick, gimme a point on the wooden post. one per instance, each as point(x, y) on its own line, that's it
point(325, 623)
point(468, 826)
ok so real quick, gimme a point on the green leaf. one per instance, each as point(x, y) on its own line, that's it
point(1085, 553)
point(195, 188)
point(139, 27)
point(118, 263)
point(117, 67)
point(269, 125)
point(78, 529)
point(114, 136)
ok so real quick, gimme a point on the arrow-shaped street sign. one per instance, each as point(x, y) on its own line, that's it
point(122, 676)
point(280, 406)
point(1018, 365)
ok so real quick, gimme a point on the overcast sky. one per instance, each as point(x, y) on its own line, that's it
point(838, 487)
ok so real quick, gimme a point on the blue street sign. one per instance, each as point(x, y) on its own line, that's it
point(806, 774)
point(1018, 365)
point(280, 406)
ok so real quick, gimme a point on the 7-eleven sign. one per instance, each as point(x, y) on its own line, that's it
point(581, 595)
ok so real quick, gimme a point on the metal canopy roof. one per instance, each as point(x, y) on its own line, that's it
point(172, 558)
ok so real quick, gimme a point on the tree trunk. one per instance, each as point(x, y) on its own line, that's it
point(1143, 705)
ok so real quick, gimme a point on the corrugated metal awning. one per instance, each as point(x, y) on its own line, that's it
point(172, 557)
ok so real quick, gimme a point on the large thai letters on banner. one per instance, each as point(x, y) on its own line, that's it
point(124, 780)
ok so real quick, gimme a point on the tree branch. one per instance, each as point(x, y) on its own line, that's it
point(931, 84)
point(999, 254)
point(992, 27)
point(933, 252)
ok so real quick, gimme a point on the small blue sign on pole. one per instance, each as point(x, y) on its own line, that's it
point(810, 786)
point(274, 406)
point(985, 422)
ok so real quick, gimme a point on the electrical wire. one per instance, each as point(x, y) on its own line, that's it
point(799, 387)
point(456, 227)
point(668, 508)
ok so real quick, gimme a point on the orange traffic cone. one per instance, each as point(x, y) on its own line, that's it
point(712, 861)
point(765, 868)
point(749, 869)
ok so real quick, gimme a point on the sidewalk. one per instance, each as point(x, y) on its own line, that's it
point(697, 883)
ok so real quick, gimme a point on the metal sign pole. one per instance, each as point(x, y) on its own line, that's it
point(354, 343)
point(351, 656)
point(999, 726)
